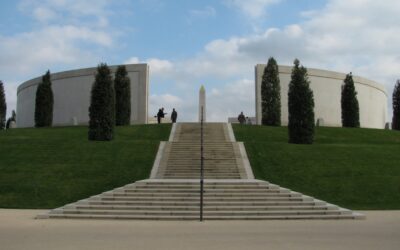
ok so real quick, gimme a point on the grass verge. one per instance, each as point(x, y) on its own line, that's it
point(353, 168)
point(49, 167)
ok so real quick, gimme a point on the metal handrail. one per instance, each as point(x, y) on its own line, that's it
point(201, 165)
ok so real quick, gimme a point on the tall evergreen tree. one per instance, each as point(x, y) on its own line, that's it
point(301, 107)
point(349, 102)
point(396, 106)
point(271, 94)
point(122, 85)
point(3, 107)
point(44, 103)
point(102, 106)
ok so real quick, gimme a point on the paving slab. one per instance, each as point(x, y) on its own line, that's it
point(19, 230)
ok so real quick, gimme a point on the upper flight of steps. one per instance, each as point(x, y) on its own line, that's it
point(173, 191)
point(181, 160)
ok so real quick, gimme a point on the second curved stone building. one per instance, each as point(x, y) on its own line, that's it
point(327, 86)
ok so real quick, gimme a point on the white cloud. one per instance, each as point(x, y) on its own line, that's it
point(215, 92)
point(360, 36)
point(10, 91)
point(132, 60)
point(252, 8)
point(63, 34)
point(66, 33)
point(206, 12)
point(166, 101)
point(27, 51)
point(44, 14)
point(158, 67)
point(230, 99)
point(357, 36)
point(65, 8)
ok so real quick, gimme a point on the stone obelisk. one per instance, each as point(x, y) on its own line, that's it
point(202, 103)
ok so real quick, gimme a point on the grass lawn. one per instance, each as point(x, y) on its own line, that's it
point(353, 168)
point(49, 167)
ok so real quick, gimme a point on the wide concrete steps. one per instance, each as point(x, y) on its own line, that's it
point(196, 208)
point(174, 193)
point(180, 200)
point(184, 157)
point(196, 217)
point(220, 176)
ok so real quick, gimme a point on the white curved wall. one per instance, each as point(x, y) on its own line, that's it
point(326, 85)
point(71, 91)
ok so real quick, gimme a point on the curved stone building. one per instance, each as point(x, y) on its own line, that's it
point(326, 85)
point(71, 91)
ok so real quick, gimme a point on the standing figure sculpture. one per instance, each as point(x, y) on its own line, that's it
point(160, 115)
point(174, 115)
point(241, 118)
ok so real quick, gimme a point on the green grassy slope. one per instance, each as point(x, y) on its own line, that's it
point(49, 167)
point(353, 168)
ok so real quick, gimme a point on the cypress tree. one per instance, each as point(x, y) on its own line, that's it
point(271, 94)
point(350, 109)
point(122, 86)
point(301, 107)
point(3, 107)
point(44, 103)
point(396, 106)
point(102, 106)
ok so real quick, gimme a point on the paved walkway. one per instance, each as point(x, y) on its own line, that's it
point(18, 230)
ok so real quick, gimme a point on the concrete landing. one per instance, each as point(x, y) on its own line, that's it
point(19, 231)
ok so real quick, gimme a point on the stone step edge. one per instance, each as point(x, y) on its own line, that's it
point(354, 215)
point(196, 195)
point(206, 180)
point(214, 212)
point(206, 207)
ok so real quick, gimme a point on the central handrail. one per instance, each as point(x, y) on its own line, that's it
point(201, 165)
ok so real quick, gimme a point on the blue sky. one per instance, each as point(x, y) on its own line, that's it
point(189, 43)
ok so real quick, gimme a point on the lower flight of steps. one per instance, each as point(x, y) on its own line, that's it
point(158, 199)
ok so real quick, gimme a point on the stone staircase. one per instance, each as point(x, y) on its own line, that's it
point(182, 160)
point(223, 200)
point(173, 191)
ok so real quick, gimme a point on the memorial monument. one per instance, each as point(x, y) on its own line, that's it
point(202, 103)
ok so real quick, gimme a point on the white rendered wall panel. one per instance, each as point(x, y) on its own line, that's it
point(71, 90)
